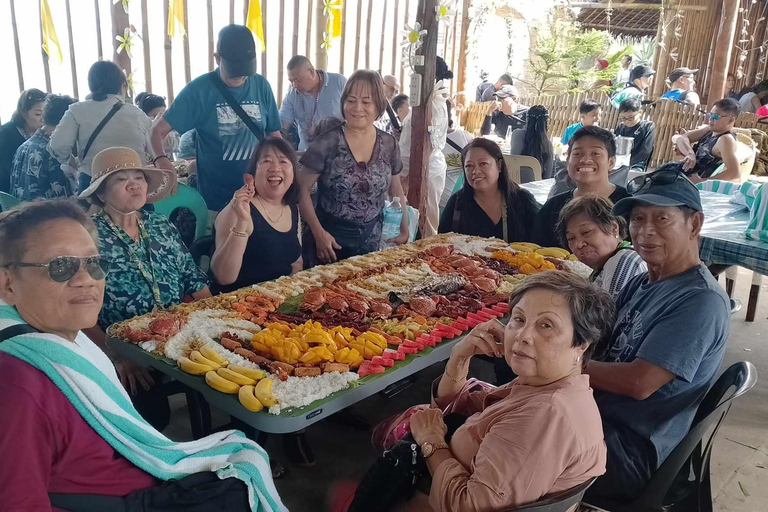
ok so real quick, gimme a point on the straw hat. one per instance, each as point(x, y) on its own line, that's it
point(160, 182)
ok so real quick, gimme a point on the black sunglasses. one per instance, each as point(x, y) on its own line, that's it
point(64, 268)
point(657, 178)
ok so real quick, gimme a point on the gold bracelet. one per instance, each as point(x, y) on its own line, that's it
point(454, 379)
point(235, 232)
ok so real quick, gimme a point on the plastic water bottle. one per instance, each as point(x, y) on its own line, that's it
point(393, 216)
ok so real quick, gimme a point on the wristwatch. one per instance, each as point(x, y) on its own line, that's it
point(427, 448)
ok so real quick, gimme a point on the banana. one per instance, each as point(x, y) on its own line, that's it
point(219, 383)
point(197, 357)
point(208, 352)
point(248, 399)
point(193, 368)
point(573, 257)
point(553, 252)
point(251, 373)
point(235, 377)
point(520, 247)
point(263, 392)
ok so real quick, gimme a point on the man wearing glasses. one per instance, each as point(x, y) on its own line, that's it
point(642, 132)
point(714, 145)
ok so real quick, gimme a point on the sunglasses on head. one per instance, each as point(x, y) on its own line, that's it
point(657, 178)
point(63, 268)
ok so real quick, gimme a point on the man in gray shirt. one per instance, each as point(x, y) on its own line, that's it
point(669, 338)
point(315, 94)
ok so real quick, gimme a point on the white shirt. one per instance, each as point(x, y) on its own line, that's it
point(438, 131)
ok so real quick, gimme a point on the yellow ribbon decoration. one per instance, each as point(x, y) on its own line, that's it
point(256, 24)
point(333, 10)
point(50, 40)
point(176, 18)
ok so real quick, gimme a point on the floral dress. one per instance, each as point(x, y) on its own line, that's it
point(35, 173)
point(156, 271)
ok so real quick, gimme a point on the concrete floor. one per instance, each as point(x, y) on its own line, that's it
point(739, 463)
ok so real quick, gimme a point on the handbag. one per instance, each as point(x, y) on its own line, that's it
point(100, 127)
point(257, 131)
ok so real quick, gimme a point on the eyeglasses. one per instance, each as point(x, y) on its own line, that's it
point(657, 178)
point(628, 119)
point(63, 268)
point(715, 117)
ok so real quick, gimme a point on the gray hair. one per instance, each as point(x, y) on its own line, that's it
point(593, 311)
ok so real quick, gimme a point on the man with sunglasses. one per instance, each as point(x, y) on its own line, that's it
point(715, 144)
point(669, 338)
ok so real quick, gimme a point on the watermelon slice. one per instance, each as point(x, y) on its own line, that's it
point(502, 306)
point(449, 331)
point(492, 312)
point(435, 340)
point(484, 315)
point(476, 317)
point(473, 322)
point(369, 368)
point(383, 361)
point(393, 354)
point(460, 324)
point(407, 350)
point(428, 340)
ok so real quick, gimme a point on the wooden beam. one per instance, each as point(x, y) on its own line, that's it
point(632, 7)
point(383, 32)
point(618, 28)
point(280, 55)
point(185, 44)
point(232, 12)
point(99, 48)
point(368, 36)
point(211, 48)
point(358, 31)
point(343, 33)
point(168, 55)
point(19, 70)
point(461, 80)
point(723, 49)
point(46, 68)
point(395, 38)
point(72, 63)
point(295, 42)
point(421, 115)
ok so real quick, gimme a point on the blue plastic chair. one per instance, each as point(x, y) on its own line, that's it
point(7, 201)
point(186, 197)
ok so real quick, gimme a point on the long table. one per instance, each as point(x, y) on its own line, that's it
point(290, 420)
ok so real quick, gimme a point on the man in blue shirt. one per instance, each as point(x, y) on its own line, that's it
point(224, 143)
point(315, 94)
point(669, 338)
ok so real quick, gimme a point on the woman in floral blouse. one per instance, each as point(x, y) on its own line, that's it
point(150, 268)
point(353, 164)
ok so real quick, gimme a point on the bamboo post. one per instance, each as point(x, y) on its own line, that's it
point(99, 47)
point(343, 34)
point(711, 54)
point(46, 69)
point(383, 32)
point(231, 12)
point(657, 88)
point(245, 11)
point(295, 40)
point(406, 19)
point(19, 70)
point(395, 39)
point(185, 44)
point(322, 26)
point(368, 36)
point(280, 55)
point(168, 55)
point(211, 48)
point(145, 45)
point(723, 49)
point(264, 28)
point(754, 56)
point(461, 81)
point(72, 64)
point(421, 116)
point(358, 31)
point(310, 11)
point(453, 49)
point(119, 24)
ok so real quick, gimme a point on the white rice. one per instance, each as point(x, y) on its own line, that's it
point(206, 325)
point(302, 391)
point(578, 268)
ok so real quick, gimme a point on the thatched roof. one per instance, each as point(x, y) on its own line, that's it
point(629, 22)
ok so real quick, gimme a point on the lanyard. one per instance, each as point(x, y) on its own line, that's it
point(311, 120)
point(148, 274)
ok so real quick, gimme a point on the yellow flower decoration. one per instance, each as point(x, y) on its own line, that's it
point(126, 42)
point(444, 12)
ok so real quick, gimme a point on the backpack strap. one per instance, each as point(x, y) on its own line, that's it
point(100, 127)
point(16, 330)
point(257, 131)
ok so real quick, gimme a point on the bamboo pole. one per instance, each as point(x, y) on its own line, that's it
point(395, 39)
point(343, 34)
point(19, 70)
point(358, 31)
point(631, 6)
point(755, 55)
point(310, 12)
point(321, 53)
point(211, 48)
point(145, 45)
point(99, 48)
point(185, 43)
point(461, 82)
point(264, 53)
point(72, 64)
point(168, 54)
point(663, 61)
point(295, 40)
point(723, 49)
point(232, 12)
point(46, 68)
point(245, 11)
point(453, 49)
point(383, 32)
point(406, 20)
point(368, 36)
point(711, 53)
point(280, 56)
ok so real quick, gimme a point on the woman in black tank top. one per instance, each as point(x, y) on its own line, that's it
point(257, 233)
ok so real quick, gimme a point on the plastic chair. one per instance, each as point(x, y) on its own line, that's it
point(186, 197)
point(561, 502)
point(516, 162)
point(7, 201)
point(682, 483)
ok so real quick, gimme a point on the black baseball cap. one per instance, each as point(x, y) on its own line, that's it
point(237, 50)
point(678, 72)
point(641, 71)
point(670, 188)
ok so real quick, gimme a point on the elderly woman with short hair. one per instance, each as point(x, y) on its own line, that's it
point(598, 239)
point(67, 426)
point(151, 269)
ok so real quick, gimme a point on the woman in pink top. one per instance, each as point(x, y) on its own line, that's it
point(538, 435)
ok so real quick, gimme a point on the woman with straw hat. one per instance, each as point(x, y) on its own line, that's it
point(150, 268)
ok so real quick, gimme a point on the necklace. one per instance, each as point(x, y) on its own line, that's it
point(266, 211)
point(311, 120)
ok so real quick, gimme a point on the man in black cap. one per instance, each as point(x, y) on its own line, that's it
point(640, 78)
point(217, 105)
point(669, 338)
point(681, 83)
